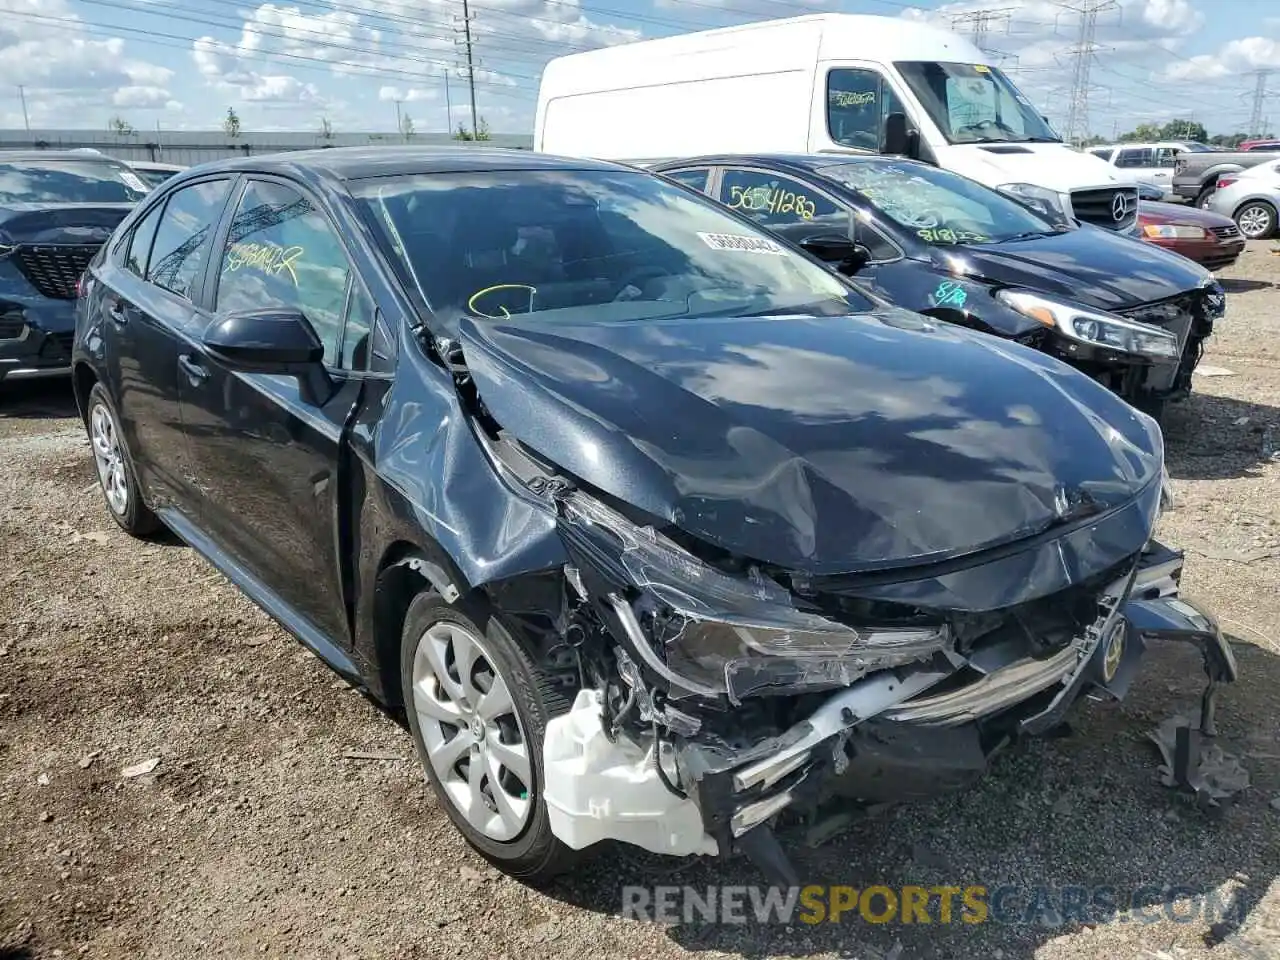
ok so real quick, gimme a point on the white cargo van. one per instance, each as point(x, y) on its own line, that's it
point(826, 83)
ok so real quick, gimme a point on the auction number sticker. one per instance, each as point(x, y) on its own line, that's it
point(733, 241)
point(133, 180)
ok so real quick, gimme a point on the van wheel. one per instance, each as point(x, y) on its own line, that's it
point(1256, 219)
point(117, 479)
point(478, 708)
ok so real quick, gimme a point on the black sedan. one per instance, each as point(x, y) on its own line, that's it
point(56, 209)
point(929, 240)
point(648, 523)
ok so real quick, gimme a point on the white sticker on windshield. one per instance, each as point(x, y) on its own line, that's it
point(133, 180)
point(733, 241)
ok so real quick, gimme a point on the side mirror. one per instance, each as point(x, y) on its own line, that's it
point(847, 256)
point(275, 340)
point(899, 139)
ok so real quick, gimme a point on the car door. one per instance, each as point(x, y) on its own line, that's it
point(1138, 163)
point(149, 314)
point(1166, 159)
point(267, 451)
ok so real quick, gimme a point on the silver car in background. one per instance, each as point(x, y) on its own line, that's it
point(1251, 198)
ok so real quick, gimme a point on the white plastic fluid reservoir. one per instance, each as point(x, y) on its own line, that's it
point(597, 790)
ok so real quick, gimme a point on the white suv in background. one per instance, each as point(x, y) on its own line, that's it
point(1148, 162)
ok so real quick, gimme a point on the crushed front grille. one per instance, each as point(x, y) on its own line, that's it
point(57, 346)
point(55, 270)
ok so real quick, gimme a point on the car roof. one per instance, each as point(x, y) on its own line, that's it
point(358, 163)
point(796, 161)
point(25, 156)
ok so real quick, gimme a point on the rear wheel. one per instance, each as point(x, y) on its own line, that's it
point(116, 476)
point(1202, 201)
point(478, 708)
point(1256, 219)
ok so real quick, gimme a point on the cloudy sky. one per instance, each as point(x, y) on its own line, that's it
point(288, 63)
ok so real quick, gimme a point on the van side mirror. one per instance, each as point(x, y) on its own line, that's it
point(899, 139)
point(844, 254)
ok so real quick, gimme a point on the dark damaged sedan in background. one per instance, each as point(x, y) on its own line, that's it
point(56, 209)
point(653, 528)
point(1132, 317)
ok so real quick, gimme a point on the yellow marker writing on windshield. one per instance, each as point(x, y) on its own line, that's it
point(506, 314)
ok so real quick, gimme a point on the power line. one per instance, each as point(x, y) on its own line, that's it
point(979, 21)
point(1259, 97)
point(471, 67)
point(1083, 51)
point(154, 38)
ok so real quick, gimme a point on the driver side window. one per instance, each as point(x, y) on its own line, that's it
point(282, 252)
point(858, 101)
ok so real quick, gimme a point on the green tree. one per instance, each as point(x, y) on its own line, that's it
point(326, 128)
point(406, 126)
point(120, 126)
point(481, 132)
point(231, 125)
point(1184, 130)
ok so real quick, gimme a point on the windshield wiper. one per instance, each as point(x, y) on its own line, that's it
point(1028, 235)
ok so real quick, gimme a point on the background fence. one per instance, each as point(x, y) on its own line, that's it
point(192, 147)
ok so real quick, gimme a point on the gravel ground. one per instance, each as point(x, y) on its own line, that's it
point(253, 835)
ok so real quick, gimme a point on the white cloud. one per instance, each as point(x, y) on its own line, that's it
point(69, 72)
point(1236, 57)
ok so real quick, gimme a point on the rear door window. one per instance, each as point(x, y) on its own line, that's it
point(1136, 157)
point(140, 241)
point(695, 177)
point(282, 251)
point(184, 235)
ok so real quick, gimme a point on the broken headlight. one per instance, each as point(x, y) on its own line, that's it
point(1093, 327)
point(720, 633)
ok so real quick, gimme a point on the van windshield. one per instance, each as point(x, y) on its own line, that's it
point(975, 103)
point(572, 245)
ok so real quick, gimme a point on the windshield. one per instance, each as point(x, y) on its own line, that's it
point(68, 181)
point(571, 245)
point(974, 103)
point(939, 207)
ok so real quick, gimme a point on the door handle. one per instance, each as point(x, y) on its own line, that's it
point(194, 371)
point(115, 310)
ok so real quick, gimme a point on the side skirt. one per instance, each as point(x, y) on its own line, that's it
point(284, 614)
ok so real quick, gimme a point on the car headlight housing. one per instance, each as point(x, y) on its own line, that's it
point(1172, 231)
point(1093, 327)
point(1049, 202)
point(735, 635)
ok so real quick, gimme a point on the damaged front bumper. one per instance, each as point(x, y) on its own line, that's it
point(896, 734)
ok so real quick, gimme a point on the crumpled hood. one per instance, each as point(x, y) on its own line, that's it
point(1088, 265)
point(60, 223)
point(825, 445)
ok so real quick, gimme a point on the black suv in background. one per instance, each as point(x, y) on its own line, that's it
point(56, 209)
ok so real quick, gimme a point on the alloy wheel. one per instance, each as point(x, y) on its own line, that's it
point(109, 458)
point(474, 738)
point(1255, 221)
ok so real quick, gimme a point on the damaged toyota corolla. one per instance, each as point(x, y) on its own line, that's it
point(656, 530)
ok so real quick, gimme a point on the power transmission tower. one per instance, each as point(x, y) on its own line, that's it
point(1259, 98)
point(1082, 53)
point(471, 67)
point(979, 22)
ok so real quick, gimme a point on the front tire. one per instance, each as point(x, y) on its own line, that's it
point(1202, 201)
point(478, 709)
point(117, 479)
point(1256, 219)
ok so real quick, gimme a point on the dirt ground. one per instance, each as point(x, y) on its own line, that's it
point(254, 835)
